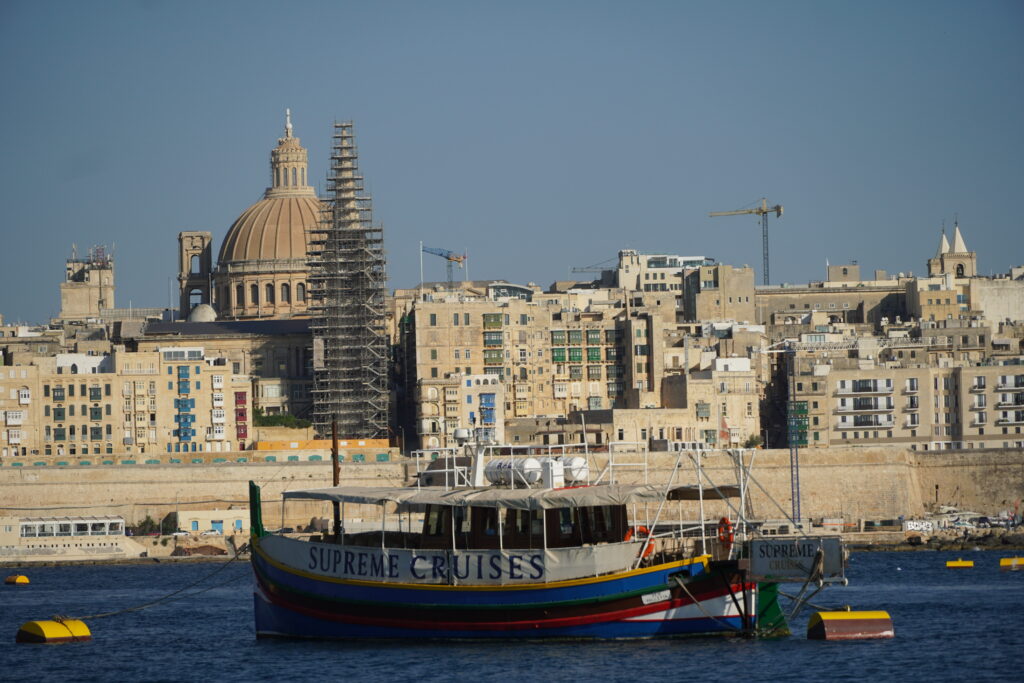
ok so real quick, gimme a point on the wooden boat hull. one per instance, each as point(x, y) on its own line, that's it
point(643, 603)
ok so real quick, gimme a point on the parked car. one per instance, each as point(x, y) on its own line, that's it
point(212, 532)
point(181, 533)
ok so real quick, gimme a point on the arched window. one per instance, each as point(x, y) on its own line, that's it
point(270, 292)
point(300, 292)
point(959, 270)
point(294, 173)
point(194, 263)
point(254, 294)
point(239, 295)
point(303, 176)
point(286, 293)
point(195, 297)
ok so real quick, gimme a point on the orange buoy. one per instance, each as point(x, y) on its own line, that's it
point(16, 580)
point(846, 625)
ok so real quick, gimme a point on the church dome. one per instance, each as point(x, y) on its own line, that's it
point(262, 269)
point(274, 228)
point(202, 313)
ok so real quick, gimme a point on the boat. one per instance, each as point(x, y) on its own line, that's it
point(530, 555)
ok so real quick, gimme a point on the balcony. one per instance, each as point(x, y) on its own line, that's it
point(851, 410)
point(977, 388)
point(977, 406)
point(1017, 402)
point(877, 423)
point(1015, 386)
point(1016, 420)
point(863, 389)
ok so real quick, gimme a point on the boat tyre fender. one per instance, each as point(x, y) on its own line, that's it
point(641, 532)
point(726, 535)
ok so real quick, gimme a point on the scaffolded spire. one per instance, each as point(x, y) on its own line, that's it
point(347, 283)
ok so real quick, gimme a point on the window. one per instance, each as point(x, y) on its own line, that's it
point(286, 293)
point(254, 294)
point(300, 292)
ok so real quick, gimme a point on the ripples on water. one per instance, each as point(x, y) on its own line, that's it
point(949, 624)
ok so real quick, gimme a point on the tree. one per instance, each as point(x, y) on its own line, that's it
point(753, 441)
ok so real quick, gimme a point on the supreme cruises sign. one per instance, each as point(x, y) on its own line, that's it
point(797, 559)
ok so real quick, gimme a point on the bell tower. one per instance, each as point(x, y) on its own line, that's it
point(195, 269)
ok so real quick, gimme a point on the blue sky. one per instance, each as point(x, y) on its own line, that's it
point(537, 136)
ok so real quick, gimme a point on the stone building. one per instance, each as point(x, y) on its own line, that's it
point(720, 292)
point(906, 395)
point(177, 399)
point(460, 402)
point(88, 286)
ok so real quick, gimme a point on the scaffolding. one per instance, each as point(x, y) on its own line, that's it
point(347, 291)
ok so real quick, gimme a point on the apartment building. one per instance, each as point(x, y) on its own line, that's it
point(460, 402)
point(174, 400)
point(856, 402)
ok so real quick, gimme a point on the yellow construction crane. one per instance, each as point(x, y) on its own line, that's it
point(763, 212)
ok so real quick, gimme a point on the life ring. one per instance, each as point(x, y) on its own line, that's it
point(641, 529)
point(725, 532)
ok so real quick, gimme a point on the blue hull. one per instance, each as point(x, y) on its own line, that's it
point(273, 621)
point(643, 603)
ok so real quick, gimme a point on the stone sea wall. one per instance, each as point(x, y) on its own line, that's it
point(849, 483)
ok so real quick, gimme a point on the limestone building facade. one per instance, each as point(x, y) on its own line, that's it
point(75, 407)
point(88, 286)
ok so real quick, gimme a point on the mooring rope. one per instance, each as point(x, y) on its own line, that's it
point(686, 590)
point(166, 598)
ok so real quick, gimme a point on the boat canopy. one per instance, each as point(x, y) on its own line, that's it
point(514, 499)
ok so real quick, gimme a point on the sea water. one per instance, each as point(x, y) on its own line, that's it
point(950, 624)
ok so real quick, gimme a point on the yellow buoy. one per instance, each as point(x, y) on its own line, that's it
point(16, 580)
point(959, 563)
point(846, 625)
point(53, 631)
point(1011, 563)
